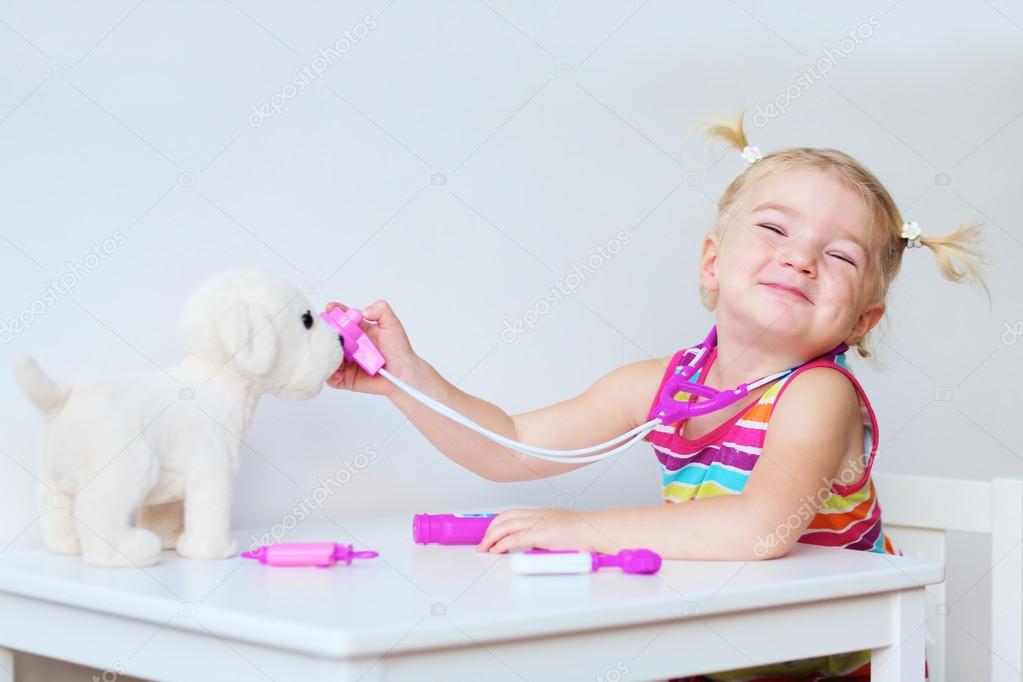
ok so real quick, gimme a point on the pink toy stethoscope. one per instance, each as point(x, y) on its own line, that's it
point(359, 348)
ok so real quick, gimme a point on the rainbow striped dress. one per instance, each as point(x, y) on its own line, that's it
point(720, 462)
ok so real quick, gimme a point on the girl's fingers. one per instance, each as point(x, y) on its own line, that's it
point(508, 543)
point(381, 314)
point(488, 541)
point(498, 528)
point(531, 529)
point(494, 535)
point(491, 537)
point(375, 310)
point(504, 518)
point(343, 377)
point(514, 520)
point(522, 519)
point(336, 380)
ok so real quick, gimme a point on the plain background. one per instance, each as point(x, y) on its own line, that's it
point(460, 160)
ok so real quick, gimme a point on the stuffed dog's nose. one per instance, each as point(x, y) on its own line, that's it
point(341, 339)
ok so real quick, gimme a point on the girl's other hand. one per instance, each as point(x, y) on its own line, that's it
point(539, 529)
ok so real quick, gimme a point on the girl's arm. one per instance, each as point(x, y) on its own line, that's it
point(610, 407)
point(613, 405)
point(811, 432)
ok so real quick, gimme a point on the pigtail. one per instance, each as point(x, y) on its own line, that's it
point(722, 128)
point(960, 246)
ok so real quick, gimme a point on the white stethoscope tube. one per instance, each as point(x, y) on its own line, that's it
point(564, 456)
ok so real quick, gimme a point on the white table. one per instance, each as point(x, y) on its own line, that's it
point(450, 613)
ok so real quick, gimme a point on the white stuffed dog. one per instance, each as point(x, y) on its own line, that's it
point(161, 448)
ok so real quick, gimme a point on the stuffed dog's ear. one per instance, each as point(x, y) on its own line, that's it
point(249, 337)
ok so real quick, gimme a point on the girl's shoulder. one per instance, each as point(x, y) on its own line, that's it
point(639, 383)
point(822, 404)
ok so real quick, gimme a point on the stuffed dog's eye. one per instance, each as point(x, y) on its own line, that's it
point(307, 320)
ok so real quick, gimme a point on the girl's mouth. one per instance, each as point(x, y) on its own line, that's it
point(788, 290)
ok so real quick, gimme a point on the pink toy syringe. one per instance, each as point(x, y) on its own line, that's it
point(321, 554)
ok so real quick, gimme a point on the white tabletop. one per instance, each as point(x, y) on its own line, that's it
point(415, 597)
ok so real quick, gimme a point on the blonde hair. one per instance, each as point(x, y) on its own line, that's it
point(958, 247)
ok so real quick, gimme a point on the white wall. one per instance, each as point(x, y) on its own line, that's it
point(549, 127)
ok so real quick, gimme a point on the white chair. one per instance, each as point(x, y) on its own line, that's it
point(918, 511)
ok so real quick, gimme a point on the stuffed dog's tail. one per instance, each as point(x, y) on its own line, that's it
point(39, 388)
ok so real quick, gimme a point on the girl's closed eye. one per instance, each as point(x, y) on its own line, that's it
point(777, 230)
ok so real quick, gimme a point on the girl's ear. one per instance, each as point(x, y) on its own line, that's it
point(867, 320)
point(708, 262)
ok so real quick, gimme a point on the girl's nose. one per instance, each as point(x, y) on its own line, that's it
point(799, 256)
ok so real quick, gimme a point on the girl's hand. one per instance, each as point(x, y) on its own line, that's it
point(540, 529)
point(385, 330)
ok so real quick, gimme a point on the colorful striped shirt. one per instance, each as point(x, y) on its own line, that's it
point(720, 462)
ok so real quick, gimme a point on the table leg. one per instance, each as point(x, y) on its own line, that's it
point(6, 665)
point(904, 658)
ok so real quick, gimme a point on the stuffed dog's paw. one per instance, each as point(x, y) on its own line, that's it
point(59, 534)
point(66, 543)
point(137, 547)
point(196, 547)
point(140, 547)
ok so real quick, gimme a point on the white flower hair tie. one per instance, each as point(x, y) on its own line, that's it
point(911, 232)
point(751, 155)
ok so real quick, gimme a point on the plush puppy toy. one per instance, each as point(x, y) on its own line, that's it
point(133, 464)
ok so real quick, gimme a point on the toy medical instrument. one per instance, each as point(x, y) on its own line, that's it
point(358, 347)
point(450, 529)
point(540, 561)
point(306, 554)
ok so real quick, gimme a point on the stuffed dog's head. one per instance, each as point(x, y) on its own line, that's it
point(264, 328)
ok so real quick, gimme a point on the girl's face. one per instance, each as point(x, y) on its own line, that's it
point(795, 260)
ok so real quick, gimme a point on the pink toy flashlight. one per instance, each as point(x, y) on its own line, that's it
point(450, 529)
point(357, 346)
point(321, 554)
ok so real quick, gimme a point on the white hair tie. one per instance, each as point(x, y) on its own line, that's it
point(911, 232)
point(751, 155)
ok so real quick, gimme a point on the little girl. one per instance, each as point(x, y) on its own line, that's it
point(805, 246)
